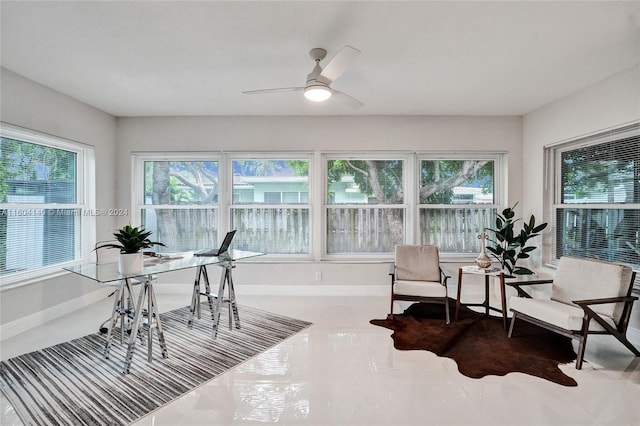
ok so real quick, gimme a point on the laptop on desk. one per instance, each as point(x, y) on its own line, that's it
point(223, 247)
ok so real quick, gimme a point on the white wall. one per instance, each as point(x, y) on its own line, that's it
point(313, 134)
point(608, 104)
point(30, 105)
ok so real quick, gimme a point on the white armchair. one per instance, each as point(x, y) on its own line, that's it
point(417, 276)
point(582, 290)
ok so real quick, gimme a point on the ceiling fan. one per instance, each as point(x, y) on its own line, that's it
point(318, 85)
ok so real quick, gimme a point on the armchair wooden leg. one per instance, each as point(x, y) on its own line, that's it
point(446, 310)
point(581, 348)
point(513, 322)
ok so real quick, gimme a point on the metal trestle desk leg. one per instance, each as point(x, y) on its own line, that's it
point(226, 282)
point(201, 274)
point(121, 311)
point(153, 321)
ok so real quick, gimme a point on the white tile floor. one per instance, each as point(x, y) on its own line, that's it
point(344, 371)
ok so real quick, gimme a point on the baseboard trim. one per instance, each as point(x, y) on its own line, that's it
point(28, 322)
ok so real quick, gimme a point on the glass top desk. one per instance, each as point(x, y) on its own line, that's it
point(107, 274)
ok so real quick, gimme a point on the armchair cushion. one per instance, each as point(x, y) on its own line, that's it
point(420, 288)
point(578, 279)
point(566, 316)
point(417, 263)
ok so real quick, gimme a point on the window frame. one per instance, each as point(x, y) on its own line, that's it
point(317, 203)
point(499, 195)
point(407, 183)
point(138, 192)
point(85, 225)
point(230, 157)
point(553, 191)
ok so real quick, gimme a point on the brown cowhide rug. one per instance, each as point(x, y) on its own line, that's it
point(479, 344)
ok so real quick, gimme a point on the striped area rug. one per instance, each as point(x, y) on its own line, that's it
point(72, 384)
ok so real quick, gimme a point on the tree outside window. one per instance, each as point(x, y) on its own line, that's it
point(365, 212)
point(180, 203)
point(457, 203)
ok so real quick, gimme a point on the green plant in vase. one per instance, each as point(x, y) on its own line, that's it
point(510, 245)
point(131, 240)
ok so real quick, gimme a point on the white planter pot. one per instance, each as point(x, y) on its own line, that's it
point(130, 263)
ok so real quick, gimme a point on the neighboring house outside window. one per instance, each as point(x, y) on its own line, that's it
point(458, 200)
point(47, 216)
point(595, 199)
point(270, 208)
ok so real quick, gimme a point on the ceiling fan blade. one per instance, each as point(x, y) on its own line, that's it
point(338, 64)
point(276, 90)
point(349, 100)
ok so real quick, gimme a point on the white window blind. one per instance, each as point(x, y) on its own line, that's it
point(43, 204)
point(596, 197)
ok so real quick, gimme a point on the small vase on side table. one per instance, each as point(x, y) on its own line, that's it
point(483, 261)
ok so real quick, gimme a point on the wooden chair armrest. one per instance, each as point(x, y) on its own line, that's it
point(620, 299)
point(444, 275)
point(519, 284)
point(521, 292)
point(445, 272)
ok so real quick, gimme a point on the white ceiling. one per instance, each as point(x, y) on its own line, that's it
point(135, 58)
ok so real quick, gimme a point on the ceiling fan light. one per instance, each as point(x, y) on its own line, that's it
point(317, 93)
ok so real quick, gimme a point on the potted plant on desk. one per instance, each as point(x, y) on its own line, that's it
point(131, 241)
point(511, 246)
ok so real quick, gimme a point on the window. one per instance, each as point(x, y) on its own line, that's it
point(179, 203)
point(365, 205)
point(457, 201)
point(46, 205)
point(368, 203)
point(596, 197)
point(270, 207)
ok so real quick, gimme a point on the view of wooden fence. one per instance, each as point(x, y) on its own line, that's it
point(286, 230)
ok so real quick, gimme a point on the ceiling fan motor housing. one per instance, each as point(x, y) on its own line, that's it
point(318, 54)
point(315, 89)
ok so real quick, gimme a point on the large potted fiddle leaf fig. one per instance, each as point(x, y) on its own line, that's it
point(130, 241)
point(510, 245)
